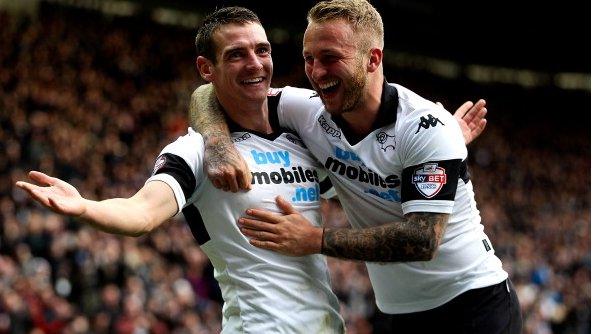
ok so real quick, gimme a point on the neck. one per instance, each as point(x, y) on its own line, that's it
point(252, 116)
point(361, 119)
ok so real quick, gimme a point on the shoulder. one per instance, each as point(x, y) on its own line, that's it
point(298, 97)
point(426, 130)
point(415, 110)
point(190, 146)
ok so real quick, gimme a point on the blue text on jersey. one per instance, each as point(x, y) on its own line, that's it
point(276, 157)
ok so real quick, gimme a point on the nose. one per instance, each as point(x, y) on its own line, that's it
point(317, 70)
point(254, 63)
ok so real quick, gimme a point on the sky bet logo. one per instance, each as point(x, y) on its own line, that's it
point(429, 179)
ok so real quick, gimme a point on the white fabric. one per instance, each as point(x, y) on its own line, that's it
point(264, 292)
point(463, 261)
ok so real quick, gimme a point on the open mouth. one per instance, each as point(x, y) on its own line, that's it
point(329, 87)
point(252, 81)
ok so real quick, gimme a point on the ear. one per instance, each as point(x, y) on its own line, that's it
point(205, 68)
point(375, 59)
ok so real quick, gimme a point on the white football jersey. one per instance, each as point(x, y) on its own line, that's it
point(413, 161)
point(263, 291)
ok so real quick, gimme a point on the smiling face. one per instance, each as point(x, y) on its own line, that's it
point(335, 64)
point(242, 71)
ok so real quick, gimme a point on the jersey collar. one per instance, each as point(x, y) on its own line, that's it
point(385, 116)
point(272, 118)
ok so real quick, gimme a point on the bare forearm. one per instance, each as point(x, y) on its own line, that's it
point(206, 116)
point(415, 239)
point(118, 216)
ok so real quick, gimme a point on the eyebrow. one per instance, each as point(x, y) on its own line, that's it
point(243, 47)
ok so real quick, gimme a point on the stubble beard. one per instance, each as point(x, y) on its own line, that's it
point(354, 90)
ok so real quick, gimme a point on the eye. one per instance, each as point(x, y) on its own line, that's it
point(263, 50)
point(235, 54)
point(329, 59)
point(308, 59)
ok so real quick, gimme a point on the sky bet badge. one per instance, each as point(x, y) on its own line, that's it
point(429, 179)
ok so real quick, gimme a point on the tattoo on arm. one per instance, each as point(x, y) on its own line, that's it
point(415, 239)
point(206, 114)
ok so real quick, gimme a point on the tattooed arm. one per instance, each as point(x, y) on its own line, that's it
point(223, 165)
point(415, 239)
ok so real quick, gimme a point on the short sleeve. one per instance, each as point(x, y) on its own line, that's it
point(433, 152)
point(179, 165)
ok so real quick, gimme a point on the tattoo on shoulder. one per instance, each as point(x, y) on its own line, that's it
point(415, 239)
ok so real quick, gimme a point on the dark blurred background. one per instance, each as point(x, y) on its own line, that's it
point(91, 91)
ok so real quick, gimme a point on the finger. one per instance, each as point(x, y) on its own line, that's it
point(231, 182)
point(245, 181)
point(216, 182)
point(245, 178)
point(259, 235)
point(28, 187)
point(42, 178)
point(36, 194)
point(481, 127)
point(265, 215)
point(265, 245)
point(474, 120)
point(285, 206)
point(256, 225)
point(463, 109)
point(475, 110)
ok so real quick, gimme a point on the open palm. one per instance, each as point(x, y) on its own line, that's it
point(54, 193)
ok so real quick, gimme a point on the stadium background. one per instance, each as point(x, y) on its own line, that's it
point(90, 91)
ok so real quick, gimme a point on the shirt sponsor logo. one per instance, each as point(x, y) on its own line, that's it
point(428, 122)
point(345, 155)
point(276, 157)
point(294, 175)
point(359, 173)
point(429, 179)
point(303, 194)
point(385, 140)
point(328, 128)
point(159, 164)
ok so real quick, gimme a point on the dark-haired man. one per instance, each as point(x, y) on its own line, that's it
point(398, 164)
point(264, 292)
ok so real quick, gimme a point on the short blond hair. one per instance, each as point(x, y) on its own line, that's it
point(363, 17)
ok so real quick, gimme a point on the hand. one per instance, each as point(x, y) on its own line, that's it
point(471, 119)
point(289, 234)
point(225, 167)
point(55, 194)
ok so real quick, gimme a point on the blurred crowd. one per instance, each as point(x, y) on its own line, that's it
point(93, 101)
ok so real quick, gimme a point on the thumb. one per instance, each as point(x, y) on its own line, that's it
point(285, 206)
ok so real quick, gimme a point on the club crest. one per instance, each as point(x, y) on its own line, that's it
point(385, 140)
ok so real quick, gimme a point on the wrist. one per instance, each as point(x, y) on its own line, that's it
point(216, 139)
point(318, 237)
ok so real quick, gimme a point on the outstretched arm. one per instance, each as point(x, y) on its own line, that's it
point(152, 205)
point(222, 162)
point(415, 239)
